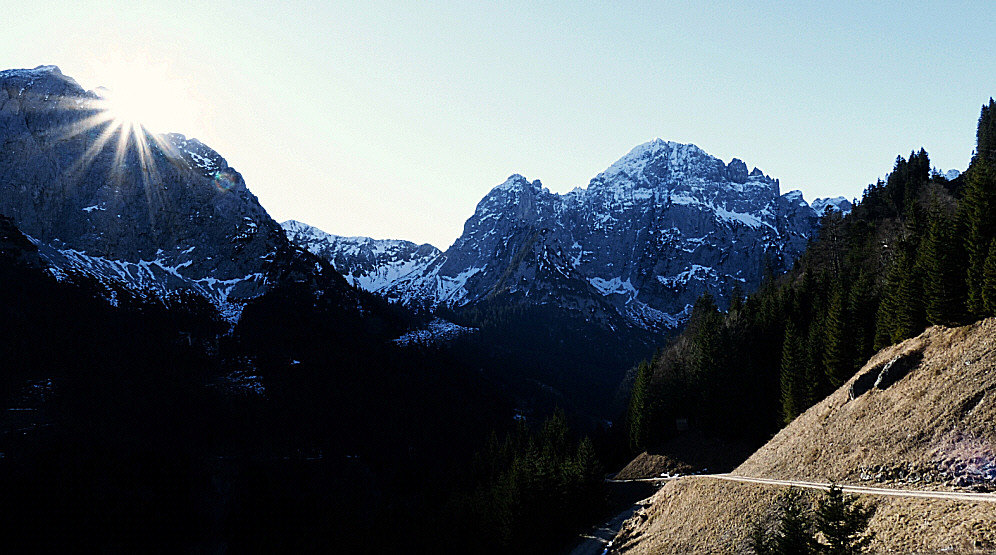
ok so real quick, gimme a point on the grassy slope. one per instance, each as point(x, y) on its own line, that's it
point(942, 415)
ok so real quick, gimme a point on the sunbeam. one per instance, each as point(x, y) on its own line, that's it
point(140, 101)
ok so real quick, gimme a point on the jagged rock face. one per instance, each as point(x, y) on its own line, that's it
point(370, 264)
point(150, 210)
point(646, 238)
point(839, 204)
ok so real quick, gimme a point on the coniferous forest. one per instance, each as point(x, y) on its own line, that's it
point(917, 250)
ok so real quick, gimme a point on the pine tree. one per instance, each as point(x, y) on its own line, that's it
point(979, 207)
point(586, 482)
point(901, 314)
point(835, 361)
point(760, 539)
point(638, 415)
point(794, 536)
point(736, 299)
point(943, 287)
point(706, 321)
point(843, 521)
point(792, 374)
point(985, 134)
point(883, 321)
point(910, 316)
point(553, 438)
point(989, 279)
point(814, 385)
point(861, 311)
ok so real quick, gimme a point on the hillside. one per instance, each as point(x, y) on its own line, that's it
point(932, 429)
point(942, 415)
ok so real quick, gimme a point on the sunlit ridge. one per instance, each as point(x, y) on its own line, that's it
point(140, 102)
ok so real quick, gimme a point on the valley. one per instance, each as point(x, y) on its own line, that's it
point(181, 372)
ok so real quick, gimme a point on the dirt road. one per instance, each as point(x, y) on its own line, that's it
point(863, 490)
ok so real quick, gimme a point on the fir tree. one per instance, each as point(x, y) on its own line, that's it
point(794, 535)
point(639, 409)
point(985, 134)
point(706, 321)
point(943, 287)
point(901, 313)
point(883, 320)
point(815, 384)
point(989, 279)
point(792, 374)
point(979, 214)
point(843, 522)
point(760, 539)
point(587, 486)
point(979, 207)
point(861, 311)
point(835, 362)
point(736, 298)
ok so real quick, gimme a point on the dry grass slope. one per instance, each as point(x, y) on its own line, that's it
point(935, 428)
point(941, 417)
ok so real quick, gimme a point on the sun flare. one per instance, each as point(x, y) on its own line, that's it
point(143, 94)
point(135, 105)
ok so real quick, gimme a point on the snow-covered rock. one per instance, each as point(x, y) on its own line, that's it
point(154, 212)
point(435, 332)
point(646, 237)
point(371, 264)
point(840, 204)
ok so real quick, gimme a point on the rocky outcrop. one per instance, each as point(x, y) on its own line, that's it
point(885, 374)
point(839, 204)
point(150, 210)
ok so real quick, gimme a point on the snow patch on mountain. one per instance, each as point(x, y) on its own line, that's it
point(435, 332)
point(149, 277)
point(370, 264)
point(614, 286)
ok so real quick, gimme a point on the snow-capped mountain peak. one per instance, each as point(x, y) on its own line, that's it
point(651, 233)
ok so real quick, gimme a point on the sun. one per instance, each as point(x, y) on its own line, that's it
point(137, 103)
point(144, 94)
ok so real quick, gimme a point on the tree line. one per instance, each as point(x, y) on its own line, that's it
point(917, 250)
point(530, 493)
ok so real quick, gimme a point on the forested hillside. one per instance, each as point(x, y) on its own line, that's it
point(917, 250)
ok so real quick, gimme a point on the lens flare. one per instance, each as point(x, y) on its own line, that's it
point(224, 180)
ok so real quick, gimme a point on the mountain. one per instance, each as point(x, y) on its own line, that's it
point(635, 248)
point(367, 263)
point(133, 417)
point(917, 416)
point(840, 204)
point(157, 212)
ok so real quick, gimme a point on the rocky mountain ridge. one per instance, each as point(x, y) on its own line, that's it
point(157, 212)
point(647, 236)
point(370, 264)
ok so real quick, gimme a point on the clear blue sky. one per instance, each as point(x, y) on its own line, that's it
point(393, 119)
